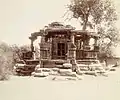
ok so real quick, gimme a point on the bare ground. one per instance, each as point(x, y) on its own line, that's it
point(90, 88)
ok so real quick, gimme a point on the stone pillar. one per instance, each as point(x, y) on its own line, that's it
point(72, 38)
point(72, 47)
point(73, 58)
point(34, 56)
point(72, 51)
point(68, 53)
point(32, 47)
point(96, 39)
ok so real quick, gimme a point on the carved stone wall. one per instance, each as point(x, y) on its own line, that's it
point(45, 50)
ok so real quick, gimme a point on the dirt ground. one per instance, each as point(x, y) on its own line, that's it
point(90, 88)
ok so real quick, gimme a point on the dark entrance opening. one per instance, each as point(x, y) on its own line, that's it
point(61, 50)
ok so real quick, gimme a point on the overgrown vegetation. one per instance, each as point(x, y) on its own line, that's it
point(6, 61)
point(19, 50)
point(9, 55)
point(100, 15)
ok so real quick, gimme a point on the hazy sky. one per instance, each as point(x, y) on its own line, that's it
point(19, 18)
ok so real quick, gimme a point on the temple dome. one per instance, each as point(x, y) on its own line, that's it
point(53, 24)
point(59, 25)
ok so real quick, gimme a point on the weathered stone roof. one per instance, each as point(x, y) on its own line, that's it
point(81, 32)
point(59, 27)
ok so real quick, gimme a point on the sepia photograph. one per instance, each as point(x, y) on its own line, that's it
point(59, 50)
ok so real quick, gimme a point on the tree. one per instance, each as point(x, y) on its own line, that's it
point(93, 12)
point(100, 15)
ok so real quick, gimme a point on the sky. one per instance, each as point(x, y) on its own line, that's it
point(20, 18)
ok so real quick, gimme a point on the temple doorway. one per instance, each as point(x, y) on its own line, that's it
point(61, 50)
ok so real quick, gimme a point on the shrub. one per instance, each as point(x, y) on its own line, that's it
point(4, 70)
point(6, 66)
point(6, 61)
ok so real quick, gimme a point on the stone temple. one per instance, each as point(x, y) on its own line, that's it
point(64, 44)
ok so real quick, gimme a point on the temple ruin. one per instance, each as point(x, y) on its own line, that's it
point(63, 43)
